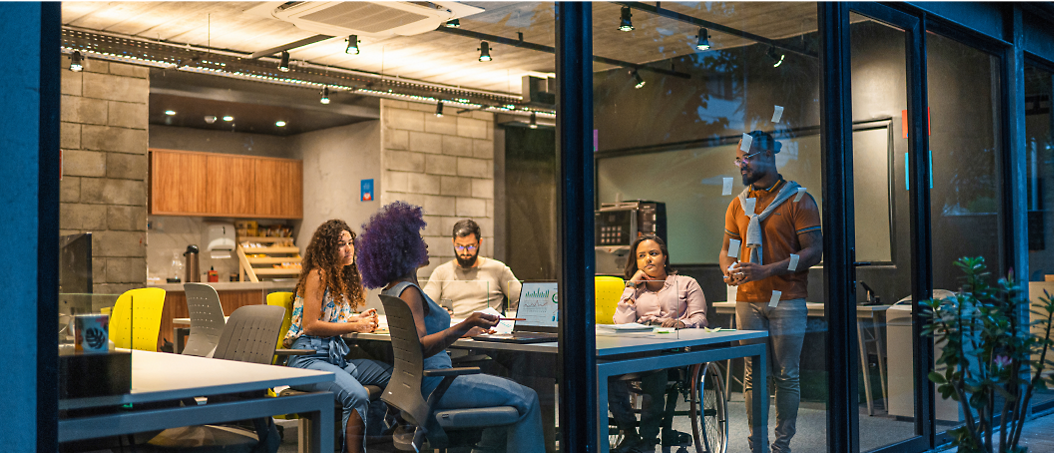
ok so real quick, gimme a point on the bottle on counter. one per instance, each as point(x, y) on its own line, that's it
point(214, 276)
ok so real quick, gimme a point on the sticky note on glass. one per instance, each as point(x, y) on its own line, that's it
point(733, 248)
point(801, 193)
point(793, 263)
point(726, 186)
point(745, 144)
point(777, 114)
point(748, 207)
point(775, 299)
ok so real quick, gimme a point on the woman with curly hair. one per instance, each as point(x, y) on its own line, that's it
point(390, 250)
point(328, 292)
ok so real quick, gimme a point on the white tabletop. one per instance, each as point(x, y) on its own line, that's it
point(162, 376)
point(608, 344)
point(816, 309)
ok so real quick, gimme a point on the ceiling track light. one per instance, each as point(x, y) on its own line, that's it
point(283, 65)
point(484, 51)
point(325, 96)
point(777, 58)
point(638, 80)
point(626, 24)
point(704, 40)
point(76, 61)
point(439, 110)
point(534, 120)
point(453, 23)
point(353, 45)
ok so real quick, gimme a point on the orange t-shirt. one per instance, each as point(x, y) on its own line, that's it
point(779, 238)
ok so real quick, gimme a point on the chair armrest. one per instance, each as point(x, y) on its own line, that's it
point(460, 371)
point(287, 352)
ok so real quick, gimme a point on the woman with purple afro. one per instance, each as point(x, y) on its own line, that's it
point(390, 250)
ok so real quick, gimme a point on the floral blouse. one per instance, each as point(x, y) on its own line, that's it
point(332, 311)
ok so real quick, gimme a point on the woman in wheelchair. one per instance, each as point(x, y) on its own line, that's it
point(390, 252)
point(329, 289)
point(654, 295)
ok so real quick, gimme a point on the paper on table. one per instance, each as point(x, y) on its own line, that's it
point(745, 144)
point(777, 114)
point(730, 293)
point(726, 186)
point(793, 263)
point(801, 193)
point(733, 248)
point(748, 207)
point(629, 327)
point(503, 327)
point(775, 298)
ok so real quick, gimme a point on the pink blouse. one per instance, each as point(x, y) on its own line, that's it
point(680, 298)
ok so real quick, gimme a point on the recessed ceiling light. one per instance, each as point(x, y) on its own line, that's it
point(170, 112)
point(228, 118)
point(279, 123)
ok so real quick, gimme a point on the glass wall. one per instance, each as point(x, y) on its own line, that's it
point(1040, 183)
point(965, 146)
point(883, 224)
point(676, 87)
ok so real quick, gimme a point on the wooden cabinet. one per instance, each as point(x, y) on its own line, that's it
point(279, 188)
point(177, 184)
point(225, 185)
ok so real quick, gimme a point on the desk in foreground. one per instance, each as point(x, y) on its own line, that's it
point(158, 377)
point(621, 353)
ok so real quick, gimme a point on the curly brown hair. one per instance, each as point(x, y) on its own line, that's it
point(321, 254)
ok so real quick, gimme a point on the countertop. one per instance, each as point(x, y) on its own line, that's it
point(231, 286)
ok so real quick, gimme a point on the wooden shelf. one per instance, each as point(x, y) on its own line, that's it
point(252, 268)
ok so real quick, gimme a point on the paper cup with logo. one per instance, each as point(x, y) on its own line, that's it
point(92, 333)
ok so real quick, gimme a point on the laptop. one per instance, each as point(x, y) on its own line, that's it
point(539, 312)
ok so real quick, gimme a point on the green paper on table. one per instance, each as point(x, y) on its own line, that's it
point(717, 329)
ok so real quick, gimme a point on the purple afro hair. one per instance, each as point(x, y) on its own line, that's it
point(390, 245)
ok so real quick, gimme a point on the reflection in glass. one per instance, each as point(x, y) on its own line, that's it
point(1040, 183)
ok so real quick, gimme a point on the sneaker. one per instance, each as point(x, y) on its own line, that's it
point(674, 438)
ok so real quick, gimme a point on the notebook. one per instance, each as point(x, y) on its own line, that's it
point(539, 312)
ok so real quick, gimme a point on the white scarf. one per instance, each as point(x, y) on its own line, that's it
point(753, 237)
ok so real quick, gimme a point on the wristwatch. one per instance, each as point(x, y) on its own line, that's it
point(630, 284)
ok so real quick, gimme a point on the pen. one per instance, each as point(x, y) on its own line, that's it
point(512, 319)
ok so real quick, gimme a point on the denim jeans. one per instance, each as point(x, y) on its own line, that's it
point(786, 324)
point(484, 390)
point(653, 391)
point(347, 387)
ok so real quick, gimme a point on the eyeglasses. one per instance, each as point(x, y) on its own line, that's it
point(462, 248)
point(739, 162)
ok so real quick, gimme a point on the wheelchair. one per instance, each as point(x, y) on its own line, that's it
point(702, 387)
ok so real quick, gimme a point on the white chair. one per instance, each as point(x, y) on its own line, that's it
point(206, 319)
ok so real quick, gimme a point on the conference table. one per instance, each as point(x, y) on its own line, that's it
point(625, 352)
point(875, 315)
point(165, 377)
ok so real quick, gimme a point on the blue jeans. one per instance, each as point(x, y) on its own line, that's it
point(347, 387)
point(786, 324)
point(484, 390)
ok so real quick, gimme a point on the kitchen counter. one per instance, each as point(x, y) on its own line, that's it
point(231, 286)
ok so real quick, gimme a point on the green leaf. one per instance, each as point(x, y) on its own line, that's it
point(937, 378)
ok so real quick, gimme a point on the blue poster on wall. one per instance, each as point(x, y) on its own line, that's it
point(367, 189)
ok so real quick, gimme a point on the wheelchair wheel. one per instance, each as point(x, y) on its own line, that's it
point(709, 409)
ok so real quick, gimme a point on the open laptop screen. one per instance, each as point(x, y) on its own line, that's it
point(538, 306)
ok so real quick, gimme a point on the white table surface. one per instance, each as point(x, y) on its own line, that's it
point(162, 376)
point(816, 309)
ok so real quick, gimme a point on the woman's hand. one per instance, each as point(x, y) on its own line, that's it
point(478, 331)
point(639, 278)
point(482, 320)
point(675, 323)
point(367, 321)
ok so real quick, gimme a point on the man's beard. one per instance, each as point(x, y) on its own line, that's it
point(752, 177)
point(467, 262)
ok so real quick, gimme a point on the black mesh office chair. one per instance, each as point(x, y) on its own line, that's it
point(422, 426)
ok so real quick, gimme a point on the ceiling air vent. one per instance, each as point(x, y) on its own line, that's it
point(374, 19)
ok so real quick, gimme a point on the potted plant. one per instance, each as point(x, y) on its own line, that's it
point(988, 350)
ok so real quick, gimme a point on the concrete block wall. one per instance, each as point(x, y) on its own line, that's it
point(104, 143)
point(445, 165)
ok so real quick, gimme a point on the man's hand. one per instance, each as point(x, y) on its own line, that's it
point(745, 272)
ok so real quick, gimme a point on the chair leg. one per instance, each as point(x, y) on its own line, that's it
point(303, 440)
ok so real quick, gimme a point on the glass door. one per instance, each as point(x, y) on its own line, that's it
point(884, 221)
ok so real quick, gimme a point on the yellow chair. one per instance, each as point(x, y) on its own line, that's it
point(608, 292)
point(282, 299)
point(135, 321)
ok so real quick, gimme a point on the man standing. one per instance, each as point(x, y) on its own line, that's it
point(774, 229)
point(470, 281)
